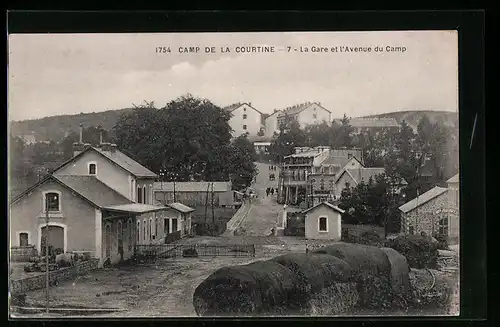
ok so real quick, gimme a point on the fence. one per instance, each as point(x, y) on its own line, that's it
point(152, 252)
point(23, 285)
point(22, 253)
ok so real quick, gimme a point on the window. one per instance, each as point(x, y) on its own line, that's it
point(52, 201)
point(322, 184)
point(150, 228)
point(139, 195)
point(144, 198)
point(23, 239)
point(245, 127)
point(129, 231)
point(322, 224)
point(144, 223)
point(92, 168)
point(347, 185)
point(411, 229)
point(244, 109)
point(174, 225)
point(443, 226)
point(166, 226)
point(244, 116)
point(138, 232)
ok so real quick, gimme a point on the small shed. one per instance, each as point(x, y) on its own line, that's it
point(323, 222)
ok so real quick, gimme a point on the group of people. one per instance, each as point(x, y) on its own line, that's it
point(270, 190)
point(272, 167)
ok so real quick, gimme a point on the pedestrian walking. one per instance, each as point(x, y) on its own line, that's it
point(267, 191)
point(272, 191)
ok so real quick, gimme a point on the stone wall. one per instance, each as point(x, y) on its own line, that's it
point(425, 217)
point(24, 285)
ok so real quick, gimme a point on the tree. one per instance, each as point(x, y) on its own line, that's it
point(318, 134)
point(289, 137)
point(343, 134)
point(190, 137)
point(243, 169)
point(372, 202)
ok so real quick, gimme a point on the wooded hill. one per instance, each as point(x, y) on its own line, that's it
point(55, 128)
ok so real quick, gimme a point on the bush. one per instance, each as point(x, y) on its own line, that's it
point(295, 225)
point(442, 242)
point(371, 238)
point(421, 252)
point(430, 289)
point(371, 270)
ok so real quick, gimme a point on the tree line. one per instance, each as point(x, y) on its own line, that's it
point(189, 138)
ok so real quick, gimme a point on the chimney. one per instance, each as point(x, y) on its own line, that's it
point(77, 148)
point(105, 146)
point(81, 133)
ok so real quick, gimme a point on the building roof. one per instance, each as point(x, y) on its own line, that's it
point(362, 174)
point(299, 108)
point(453, 179)
point(127, 163)
point(180, 207)
point(336, 161)
point(87, 187)
point(135, 208)
point(93, 189)
point(192, 186)
point(118, 158)
point(422, 199)
point(234, 106)
point(329, 205)
point(370, 122)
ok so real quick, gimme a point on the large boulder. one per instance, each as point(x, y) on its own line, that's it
point(371, 271)
point(420, 251)
point(400, 279)
point(259, 288)
point(324, 283)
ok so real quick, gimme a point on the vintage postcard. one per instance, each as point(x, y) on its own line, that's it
point(233, 174)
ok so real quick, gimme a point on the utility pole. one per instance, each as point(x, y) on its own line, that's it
point(213, 213)
point(47, 255)
point(175, 176)
point(206, 201)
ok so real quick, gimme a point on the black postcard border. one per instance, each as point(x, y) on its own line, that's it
point(471, 28)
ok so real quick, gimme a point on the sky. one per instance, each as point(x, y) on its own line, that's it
point(61, 74)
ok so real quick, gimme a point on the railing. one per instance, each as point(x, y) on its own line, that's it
point(172, 237)
point(152, 252)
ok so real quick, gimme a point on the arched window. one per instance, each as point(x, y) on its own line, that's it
point(150, 229)
point(119, 231)
point(322, 184)
point(139, 195)
point(144, 223)
point(144, 197)
point(138, 232)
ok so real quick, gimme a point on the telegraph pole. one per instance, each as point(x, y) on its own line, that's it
point(47, 255)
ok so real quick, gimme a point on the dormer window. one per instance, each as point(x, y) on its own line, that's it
point(92, 168)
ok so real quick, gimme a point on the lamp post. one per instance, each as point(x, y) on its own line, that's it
point(162, 175)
